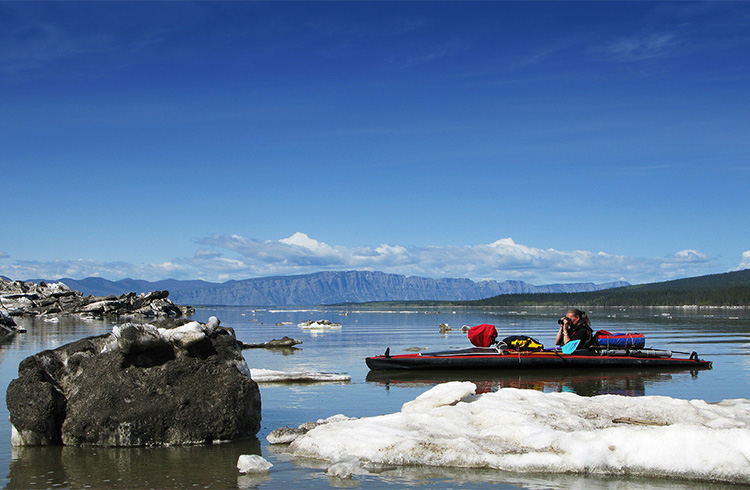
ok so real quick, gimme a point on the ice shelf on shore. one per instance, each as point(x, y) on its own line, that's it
point(270, 376)
point(531, 431)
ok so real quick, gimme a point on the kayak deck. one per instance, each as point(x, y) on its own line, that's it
point(491, 358)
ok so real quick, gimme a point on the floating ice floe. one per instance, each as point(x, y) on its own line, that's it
point(252, 463)
point(270, 376)
point(345, 469)
point(531, 431)
point(319, 325)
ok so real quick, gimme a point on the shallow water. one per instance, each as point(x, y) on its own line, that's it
point(720, 335)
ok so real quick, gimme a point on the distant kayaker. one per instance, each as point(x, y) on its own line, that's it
point(575, 325)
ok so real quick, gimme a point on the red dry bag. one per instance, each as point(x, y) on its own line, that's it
point(482, 335)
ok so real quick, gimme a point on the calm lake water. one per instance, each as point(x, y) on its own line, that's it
point(720, 335)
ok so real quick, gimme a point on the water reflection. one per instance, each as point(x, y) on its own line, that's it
point(719, 337)
point(488, 478)
point(88, 467)
point(581, 382)
point(6, 338)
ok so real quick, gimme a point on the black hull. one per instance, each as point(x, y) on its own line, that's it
point(481, 359)
point(627, 381)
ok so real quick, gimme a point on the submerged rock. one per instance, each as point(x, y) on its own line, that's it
point(282, 343)
point(141, 385)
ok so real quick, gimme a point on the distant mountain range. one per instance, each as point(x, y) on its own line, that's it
point(323, 288)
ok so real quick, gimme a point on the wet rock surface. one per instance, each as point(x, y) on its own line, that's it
point(282, 343)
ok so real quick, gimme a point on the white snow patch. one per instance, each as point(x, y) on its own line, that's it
point(252, 463)
point(531, 431)
point(131, 337)
point(184, 335)
point(270, 376)
point(57, 287)
point(441, 395)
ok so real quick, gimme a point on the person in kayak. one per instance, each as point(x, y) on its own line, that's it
point(575, 325)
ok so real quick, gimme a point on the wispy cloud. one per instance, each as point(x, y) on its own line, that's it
point(224, 257)
point(36, 39)
point(637, 48)
point(4, 255)
point(36, 44)
point(80, 268)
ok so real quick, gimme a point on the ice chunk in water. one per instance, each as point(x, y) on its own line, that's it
point(252, 463)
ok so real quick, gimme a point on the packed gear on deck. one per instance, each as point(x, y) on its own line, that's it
point(522, 343)
point(619, 340)
point(483, 335)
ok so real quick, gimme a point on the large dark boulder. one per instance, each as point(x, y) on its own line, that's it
point(139, 386)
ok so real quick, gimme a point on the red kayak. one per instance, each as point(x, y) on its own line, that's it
point(493, 358)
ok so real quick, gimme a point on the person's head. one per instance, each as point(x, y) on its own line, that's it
point(578, 317)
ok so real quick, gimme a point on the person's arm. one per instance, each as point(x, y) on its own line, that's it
point(562, 336)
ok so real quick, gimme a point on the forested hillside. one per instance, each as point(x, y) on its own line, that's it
point(728, 289)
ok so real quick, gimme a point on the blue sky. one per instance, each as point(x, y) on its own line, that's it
point(540, 141)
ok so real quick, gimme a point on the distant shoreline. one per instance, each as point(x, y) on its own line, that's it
point(453, 305)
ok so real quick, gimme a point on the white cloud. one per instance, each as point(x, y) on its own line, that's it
point(745, 263)
point(304, 241)
point(223, 257)
point(3, 255)
point(500, 260)
point(690, 256)
point(168, 267)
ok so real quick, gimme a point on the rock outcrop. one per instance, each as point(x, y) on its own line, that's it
point(19, 298)
point(171, 383)
point(6, 321)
